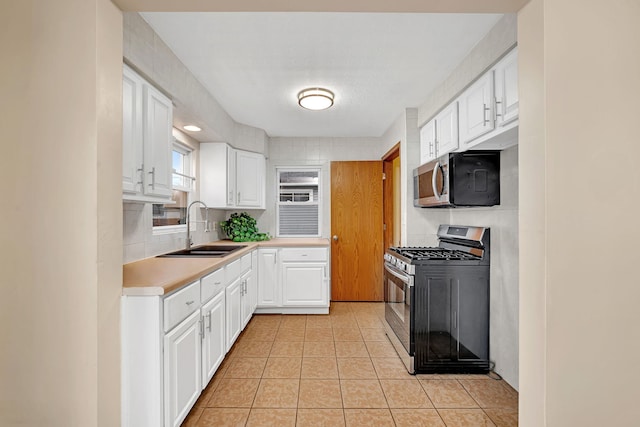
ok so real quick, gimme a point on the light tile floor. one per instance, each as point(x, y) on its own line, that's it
point(340, 370)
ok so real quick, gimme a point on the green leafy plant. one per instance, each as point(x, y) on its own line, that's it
point(241, 227)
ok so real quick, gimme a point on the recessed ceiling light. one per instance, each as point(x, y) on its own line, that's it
point(315, 98)
point(191, 128)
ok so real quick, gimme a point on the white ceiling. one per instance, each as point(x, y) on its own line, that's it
point(254, 64)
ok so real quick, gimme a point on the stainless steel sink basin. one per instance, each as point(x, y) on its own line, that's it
point(204, 251)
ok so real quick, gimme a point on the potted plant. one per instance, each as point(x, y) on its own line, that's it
point(241, 227)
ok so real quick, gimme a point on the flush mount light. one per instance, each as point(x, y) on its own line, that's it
point(315, 98)
point(192, 128)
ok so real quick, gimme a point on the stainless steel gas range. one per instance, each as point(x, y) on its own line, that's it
point(437, 302)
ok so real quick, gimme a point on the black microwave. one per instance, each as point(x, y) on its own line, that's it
point(470, 179)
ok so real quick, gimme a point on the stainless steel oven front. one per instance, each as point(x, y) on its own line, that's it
point(398, 295)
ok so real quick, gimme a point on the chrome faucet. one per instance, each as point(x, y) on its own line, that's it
point(206, 221)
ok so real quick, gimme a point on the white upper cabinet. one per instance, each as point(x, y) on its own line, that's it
point(447, 130)
point(157, 143)
point(217, 175)
point(146, 140)
point(440, 135)
point(231, 178)
point(489, 108)
point(506, 77)
point(476, 110)
point(131, 132)
point(428, 142)
point(250, 179)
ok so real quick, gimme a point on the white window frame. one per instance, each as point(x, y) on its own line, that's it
point(319, 203)
point(187, 173)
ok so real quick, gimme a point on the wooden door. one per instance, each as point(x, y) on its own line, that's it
point(356, 230)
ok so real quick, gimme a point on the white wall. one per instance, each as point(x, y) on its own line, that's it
point(579, 280)
point(61, 235)
point(312, 152)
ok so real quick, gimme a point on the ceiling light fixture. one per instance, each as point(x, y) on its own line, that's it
point(192, 128)
point(315, 98)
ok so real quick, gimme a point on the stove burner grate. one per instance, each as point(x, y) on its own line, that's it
point(419, 254)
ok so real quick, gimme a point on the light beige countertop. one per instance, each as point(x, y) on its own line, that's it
point(159, 276)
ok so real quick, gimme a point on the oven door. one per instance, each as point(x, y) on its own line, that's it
point(398, 291)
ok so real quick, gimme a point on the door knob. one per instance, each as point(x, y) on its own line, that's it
point(335, 237)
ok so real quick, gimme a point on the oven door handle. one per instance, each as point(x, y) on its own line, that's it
point(406, 279)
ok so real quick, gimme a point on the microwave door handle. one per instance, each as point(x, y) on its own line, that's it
point(434, 175)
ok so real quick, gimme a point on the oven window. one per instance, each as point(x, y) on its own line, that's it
point(396, 298)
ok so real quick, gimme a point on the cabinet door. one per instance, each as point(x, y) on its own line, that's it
point(131, 131)
point(214, 170)
point(447, 130)
point(213, 342)
point(182, 364)
point(268, 289)
point(506, 75)
point(476, 110)
point(252, 286)
point(250, 179)
point(233, 307)
point(304, 284)
point(157, 143)
point(428, 142)
point(247, 281)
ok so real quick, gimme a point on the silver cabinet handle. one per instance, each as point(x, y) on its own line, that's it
point(141, 170)
point(500, 103)
point(485, 121)
point(201, 327)
point(153, 178)
point(209, 322)
point(189, 302)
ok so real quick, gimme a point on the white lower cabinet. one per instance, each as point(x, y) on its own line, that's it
point(172, 345)
point(304, 284)
point(182, 369)
point(214, 346)
point(268, 289)
point(249, 297)
point(293, 280)
point(234, 311)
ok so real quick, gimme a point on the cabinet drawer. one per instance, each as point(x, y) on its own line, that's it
point(211, 284)
point(303, 254)
point(232, 271)
point(181, 304)
point(245, 263)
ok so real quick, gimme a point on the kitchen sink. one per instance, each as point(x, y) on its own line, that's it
point(204, 251)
